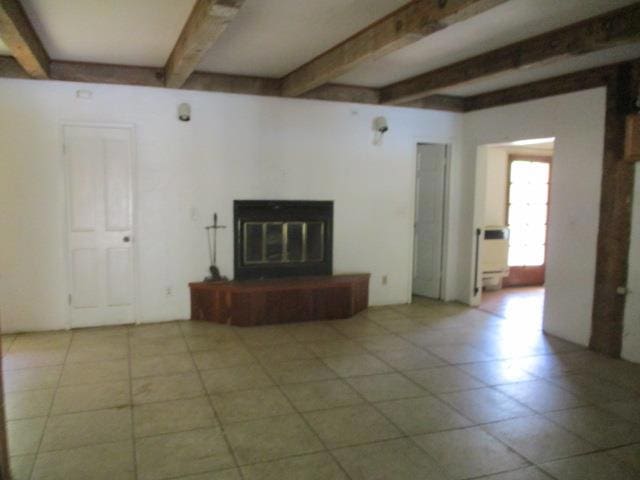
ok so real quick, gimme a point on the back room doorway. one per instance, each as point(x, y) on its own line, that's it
point(432, 165)
point(514, 179)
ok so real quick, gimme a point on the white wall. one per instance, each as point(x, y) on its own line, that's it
point(235, 147)
point(254, 147)
point(631, 336)
point(577, 123)
point(496, 187)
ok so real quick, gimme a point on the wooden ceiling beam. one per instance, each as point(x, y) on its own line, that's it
point(207, 21)
point(344, 93)
point(10, 68)
point(618, 27)
point(201, 81)
point(572, 82)
point(402, 27)
point(18, 35)
point(446, 103)
point(223, 83)
point(107, 74)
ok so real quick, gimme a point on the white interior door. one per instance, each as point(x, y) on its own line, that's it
point(98, 166)
point(429, 219)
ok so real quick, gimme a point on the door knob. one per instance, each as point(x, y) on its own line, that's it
point(126, 239)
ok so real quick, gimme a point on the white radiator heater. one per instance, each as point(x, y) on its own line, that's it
point(495, 256)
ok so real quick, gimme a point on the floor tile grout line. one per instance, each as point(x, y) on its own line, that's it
point(131, 405)
point(301, 415)
point(433, 395)
point(511, 450)
point(580, 435)
point(588, 401)
point(288, 457)
point(503, 443)
point(540, 465)
point(214, 411)
point(511, 470)
point(71, 449)
point(48, 417)
point(588, 405)
point(308, 425)
point(569, 457)
point(182, 477)
point(533, 462)
point(562, 387)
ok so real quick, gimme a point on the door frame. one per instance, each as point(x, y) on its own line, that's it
point(478, 210)
point(131, 128)
point(444, 292)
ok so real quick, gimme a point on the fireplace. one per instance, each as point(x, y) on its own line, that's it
point(282, 238)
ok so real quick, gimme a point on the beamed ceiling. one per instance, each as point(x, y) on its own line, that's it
point(424, 53)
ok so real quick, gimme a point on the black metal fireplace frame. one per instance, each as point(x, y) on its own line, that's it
point(275, 211)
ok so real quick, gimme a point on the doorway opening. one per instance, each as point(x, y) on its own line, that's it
point(432, 166)
point(513, 180)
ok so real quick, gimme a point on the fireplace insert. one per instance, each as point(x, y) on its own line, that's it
point(282, 238)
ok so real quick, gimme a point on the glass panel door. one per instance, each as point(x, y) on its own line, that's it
point(528, 205)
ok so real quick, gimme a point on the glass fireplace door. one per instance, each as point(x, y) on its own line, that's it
point(282, 242)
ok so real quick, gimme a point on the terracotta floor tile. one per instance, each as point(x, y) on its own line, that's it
point(341, 427)
point(271, 438)
point(426, 391)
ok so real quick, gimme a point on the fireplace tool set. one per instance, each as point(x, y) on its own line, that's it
point(212, 234)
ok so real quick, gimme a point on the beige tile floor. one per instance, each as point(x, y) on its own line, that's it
point(422, 391)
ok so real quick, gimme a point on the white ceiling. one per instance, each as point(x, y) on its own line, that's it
point(128, 32)
point(273, 37)
point(270, 38)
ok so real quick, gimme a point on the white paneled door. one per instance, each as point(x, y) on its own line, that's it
point(98, 162)
point(429, 220)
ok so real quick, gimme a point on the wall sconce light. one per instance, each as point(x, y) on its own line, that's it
point(184, 112)
point(380, 126)
point(84, 94)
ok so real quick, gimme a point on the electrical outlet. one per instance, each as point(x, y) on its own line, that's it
point(168, 291)
point(384, 279)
